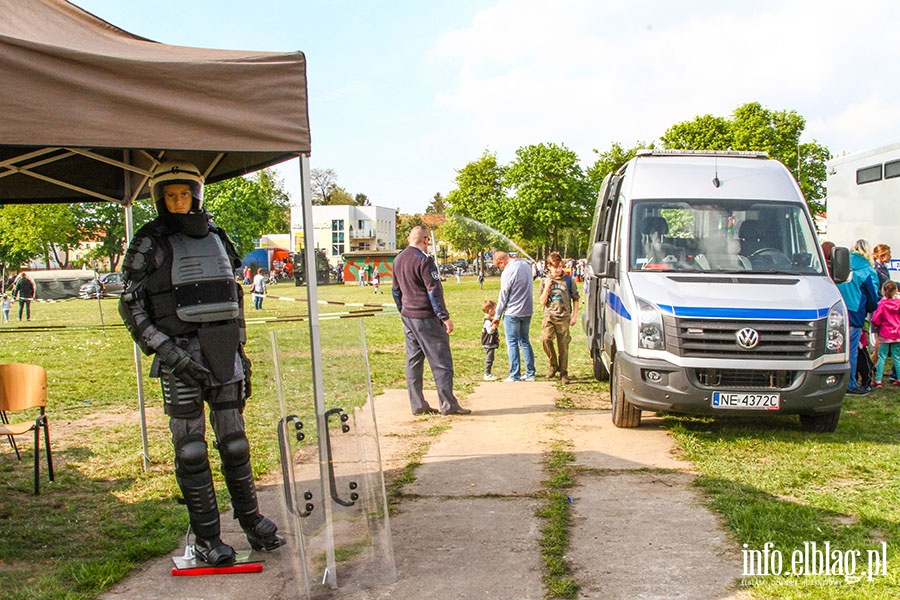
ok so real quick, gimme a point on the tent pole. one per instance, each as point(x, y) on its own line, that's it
point(139, 372)
point(315, 340)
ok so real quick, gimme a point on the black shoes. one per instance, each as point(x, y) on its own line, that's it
point(262, 535)
point(459, 410)
point(213, 551)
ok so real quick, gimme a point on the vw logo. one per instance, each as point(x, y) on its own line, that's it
point(747, 338)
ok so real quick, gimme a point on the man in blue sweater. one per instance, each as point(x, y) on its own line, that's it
point(516, 306)
point(419, 297)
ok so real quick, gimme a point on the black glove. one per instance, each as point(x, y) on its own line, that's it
point(245, 362)
point(183, 366)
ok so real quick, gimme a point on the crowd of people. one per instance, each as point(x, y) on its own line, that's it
point(873, 311)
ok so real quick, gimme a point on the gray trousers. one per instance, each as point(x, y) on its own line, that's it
point(427, 339)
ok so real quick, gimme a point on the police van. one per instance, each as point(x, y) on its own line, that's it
point(707, 292)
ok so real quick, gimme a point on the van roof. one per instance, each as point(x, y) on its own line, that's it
point(740, 153)
point(713, 175)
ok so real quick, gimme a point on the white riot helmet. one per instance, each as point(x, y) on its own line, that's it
point(176, 171)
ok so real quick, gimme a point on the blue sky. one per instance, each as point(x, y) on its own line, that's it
point(405, 92)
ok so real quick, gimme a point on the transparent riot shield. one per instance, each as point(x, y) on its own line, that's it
point(334, 497)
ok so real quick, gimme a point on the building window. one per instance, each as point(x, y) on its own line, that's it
point(892, 169)
point(868, 174)
point(337, 237)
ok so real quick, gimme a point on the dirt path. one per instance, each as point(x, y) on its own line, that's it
point(466, 527)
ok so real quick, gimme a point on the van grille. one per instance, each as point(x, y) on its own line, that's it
point(745, 379)
point(778, 340)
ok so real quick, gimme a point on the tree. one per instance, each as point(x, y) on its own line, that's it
point(341, 196)
point(246, 207)
point(437, 206)
point(552, 194)
point(323, 183)
point(362, 200)
point(480, 193)
point(610, 161)
point(272, 187)
point(753, 127)
point(104, 222)
point(405, 223)
point(30, 230)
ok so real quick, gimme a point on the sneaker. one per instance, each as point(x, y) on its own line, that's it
point(895, 382)
point(490, 377)
point(857, 391)
point(564, 379)
point(877, 384)
point(530, 378)
point(552, 372)
point(510, 379)
point(263, 535)
point(213, 551)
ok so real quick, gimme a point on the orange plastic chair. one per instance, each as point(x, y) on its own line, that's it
point(23, 387)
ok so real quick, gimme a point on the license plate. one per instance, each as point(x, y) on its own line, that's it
point(746, 401)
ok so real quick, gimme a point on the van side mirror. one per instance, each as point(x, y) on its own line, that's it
point(840, 264)
point(600, 259)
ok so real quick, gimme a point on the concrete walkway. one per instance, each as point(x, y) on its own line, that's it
point(467, 526)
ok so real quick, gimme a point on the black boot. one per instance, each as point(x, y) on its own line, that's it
point(263, 535)
point(213, 551)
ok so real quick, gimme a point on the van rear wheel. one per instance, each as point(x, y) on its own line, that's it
point(624, 413)
point(820, 423)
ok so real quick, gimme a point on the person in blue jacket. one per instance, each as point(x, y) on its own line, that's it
point(860, 293)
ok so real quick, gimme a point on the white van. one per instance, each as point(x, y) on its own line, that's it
point(707, 292)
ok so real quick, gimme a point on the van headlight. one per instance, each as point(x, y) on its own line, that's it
point(650, 327)
point(836, 330)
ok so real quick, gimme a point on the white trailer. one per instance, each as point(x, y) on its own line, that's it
point(863, 200)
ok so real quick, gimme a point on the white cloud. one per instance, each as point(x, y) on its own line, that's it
point(590, 73)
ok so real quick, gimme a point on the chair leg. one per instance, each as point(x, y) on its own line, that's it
point(11, 438)
point(37, 462)
point(47, 444)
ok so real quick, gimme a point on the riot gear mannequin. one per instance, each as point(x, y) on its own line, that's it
point(182, 304)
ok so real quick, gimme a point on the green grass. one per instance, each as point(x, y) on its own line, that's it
point(104, 515)
point(774, 483)
point(556, 514)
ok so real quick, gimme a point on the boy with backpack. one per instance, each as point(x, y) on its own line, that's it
point(559, 297)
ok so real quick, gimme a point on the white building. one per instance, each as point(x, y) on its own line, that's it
point(345, 228)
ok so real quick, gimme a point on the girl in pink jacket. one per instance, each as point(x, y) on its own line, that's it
point(887, 320)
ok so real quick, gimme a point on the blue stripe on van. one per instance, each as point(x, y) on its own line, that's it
point(710, 312)
point(615, 303)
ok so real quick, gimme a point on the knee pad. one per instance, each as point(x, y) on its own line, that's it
point(191, 456)
point(234, 450)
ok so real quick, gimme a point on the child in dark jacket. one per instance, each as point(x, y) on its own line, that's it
point(887, 319)
point(490, 337)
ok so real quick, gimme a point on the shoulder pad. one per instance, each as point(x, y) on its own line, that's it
point(138, 256)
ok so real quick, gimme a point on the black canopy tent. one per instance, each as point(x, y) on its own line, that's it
point(87, 110)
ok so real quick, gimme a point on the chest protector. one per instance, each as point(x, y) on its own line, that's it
point(193, 285)
point(202, 280)
point(193, 292)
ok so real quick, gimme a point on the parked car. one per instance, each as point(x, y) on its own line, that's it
point(112, 284)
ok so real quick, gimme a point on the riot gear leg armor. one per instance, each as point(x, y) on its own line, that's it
point(195, 480)
point(234, 449)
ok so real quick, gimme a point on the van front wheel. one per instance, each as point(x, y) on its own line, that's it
point(624, 413)
point(820, 423)
point(600, 372)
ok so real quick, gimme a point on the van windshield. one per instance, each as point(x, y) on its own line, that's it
point(746, 236)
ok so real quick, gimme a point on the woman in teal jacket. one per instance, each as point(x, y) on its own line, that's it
point(860, 293)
